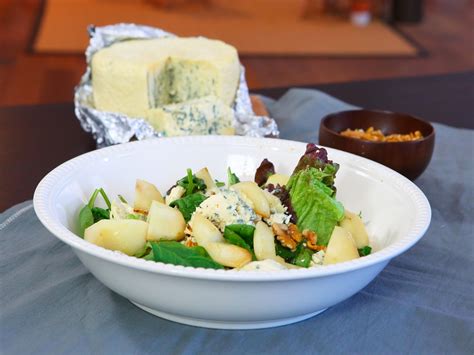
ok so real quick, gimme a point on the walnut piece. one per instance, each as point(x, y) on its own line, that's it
point(311, 240)
point(143, 212)
point(289, 236)
point(294, 232)
point(283, 235)
point(190, 242)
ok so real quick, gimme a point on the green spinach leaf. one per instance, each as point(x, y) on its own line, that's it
point(100, 213)
point(91, 202)
point(219, 183)
point(122, 199)
point(170, 252)
point(285, 253)
point(231, 178)
point(187, 205)
point(86, 219)
point(191, 183)
point(146, 253)
point(88, 215)
point(365, 251)
point(303, 258)
point(245, 231)
point(106, 199)
point(233, 238)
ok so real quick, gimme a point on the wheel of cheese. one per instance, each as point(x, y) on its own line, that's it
point(132, 77)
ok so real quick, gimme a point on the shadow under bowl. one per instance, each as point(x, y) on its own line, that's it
point(409, 158)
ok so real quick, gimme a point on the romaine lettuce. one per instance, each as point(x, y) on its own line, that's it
point(312, 193)
point(317, 158)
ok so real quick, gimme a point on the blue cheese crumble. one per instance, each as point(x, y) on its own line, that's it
point(278, 212)
point(317, 259)
point(226, 207)
point(122, 210)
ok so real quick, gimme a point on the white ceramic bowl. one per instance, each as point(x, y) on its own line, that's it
point(397, 213)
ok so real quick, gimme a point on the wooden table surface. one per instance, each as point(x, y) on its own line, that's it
point(35, 139)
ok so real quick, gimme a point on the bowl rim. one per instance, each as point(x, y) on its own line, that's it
point(44, 198)
point(385, 112)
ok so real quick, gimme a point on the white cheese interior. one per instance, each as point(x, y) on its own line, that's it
point(182, 80)
point(134, 76)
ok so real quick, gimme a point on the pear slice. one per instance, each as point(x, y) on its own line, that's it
point(341, 247)
point(204, 231)
point(264, 242)
point(278, 179)
point(165, 223)
point(125, 235)
point(255, 194)
point(229, 255)
point(206, 177)
point(145, 193)
point(353, 224)
point(210, 238)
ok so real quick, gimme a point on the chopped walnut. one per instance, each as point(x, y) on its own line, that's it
point(190, 242)
point(295, 234)
point(286, 241)
point(143, 212)
point(283, 235)
point(290, 236)
point(376, 135)
point(311, 239)
point(280, 228)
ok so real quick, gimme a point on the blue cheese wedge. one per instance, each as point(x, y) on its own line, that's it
point(131, 77)
point(195, 117)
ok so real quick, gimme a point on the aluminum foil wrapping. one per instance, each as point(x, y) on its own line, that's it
point(110, 128)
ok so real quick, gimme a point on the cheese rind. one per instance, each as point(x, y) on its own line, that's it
point(130, 77)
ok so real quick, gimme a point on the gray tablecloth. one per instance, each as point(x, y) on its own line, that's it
point(422, 303)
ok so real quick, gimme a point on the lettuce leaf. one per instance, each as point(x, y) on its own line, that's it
point(314, 204)
point(317, 158)
point(264, 171)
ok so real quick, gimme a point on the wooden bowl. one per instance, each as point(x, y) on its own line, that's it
point(408, 158)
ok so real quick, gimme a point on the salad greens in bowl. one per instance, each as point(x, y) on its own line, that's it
point(220, 231)
point(273, 222)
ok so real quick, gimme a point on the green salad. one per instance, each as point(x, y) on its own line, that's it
point(275, 222)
